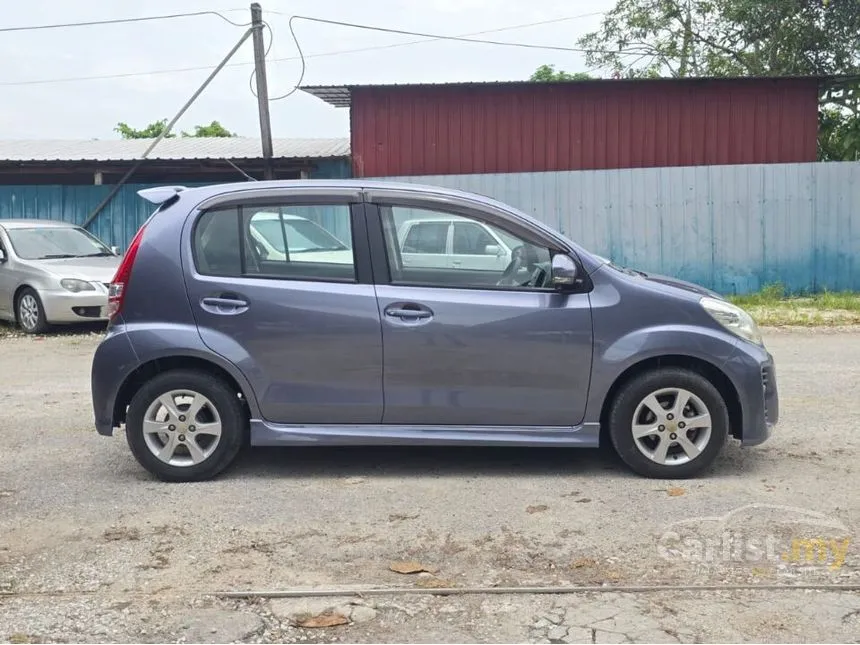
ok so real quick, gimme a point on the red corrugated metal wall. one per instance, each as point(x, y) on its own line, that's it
point(622, 124)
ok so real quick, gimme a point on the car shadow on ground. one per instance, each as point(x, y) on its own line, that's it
point(440, 461)
point(326, 462)
point(421, 461)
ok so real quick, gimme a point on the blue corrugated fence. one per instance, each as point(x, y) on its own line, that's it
point(731, 228)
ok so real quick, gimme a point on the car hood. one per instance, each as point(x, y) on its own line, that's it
point(690, 287)
point(681, 284)
point(99, 269)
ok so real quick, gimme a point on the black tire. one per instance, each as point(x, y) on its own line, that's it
point(233, 424)
point(41, 325)
point(633, 392)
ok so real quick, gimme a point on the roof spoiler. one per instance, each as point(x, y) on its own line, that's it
point(160, 194)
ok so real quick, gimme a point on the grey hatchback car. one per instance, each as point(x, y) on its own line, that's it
point(214, 341)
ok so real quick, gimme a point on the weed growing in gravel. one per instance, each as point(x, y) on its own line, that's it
point(773, 306)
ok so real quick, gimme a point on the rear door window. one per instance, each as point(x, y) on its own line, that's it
point(291, 241)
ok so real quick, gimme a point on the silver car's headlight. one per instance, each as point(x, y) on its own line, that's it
point(74, 285)
point(733, 318)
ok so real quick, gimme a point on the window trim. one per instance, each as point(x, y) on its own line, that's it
point(380, 256)
point(361, 262)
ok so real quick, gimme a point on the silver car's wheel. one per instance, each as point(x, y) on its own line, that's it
point(671, 426)
point(182, 428)
point(31, 316)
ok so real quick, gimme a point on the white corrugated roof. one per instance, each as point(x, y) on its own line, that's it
point(174, 148)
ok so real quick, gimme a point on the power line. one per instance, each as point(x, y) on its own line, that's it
point(463, 39)
point(340, 52)
point(408, 33)
point(117, 21)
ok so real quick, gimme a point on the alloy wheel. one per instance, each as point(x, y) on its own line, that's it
point(28, 312)
point(182, 428)
point(671, 426)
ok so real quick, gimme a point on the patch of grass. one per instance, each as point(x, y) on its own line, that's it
point(772, 306)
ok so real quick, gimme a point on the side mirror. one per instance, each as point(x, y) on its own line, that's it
point(563, 271)
point(2, 256)
point(493, 249)
point(115, 250)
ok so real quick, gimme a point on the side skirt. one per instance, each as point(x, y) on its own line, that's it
point(269, 434)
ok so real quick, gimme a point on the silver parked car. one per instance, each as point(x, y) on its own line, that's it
point(52, 273)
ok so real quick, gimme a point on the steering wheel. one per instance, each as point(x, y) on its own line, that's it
point(520, 258)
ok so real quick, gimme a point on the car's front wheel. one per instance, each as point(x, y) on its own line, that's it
point(31, 313)
point(669, 423)
point(185, 426)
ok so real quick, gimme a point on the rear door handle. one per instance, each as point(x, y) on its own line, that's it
point(224, 305)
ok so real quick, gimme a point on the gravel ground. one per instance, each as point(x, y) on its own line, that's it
point(94, 550)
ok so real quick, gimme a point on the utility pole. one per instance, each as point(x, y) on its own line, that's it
point(262, 88)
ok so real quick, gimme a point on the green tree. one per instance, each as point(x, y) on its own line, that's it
point(727, 37)
point(151, 131)
point(548, 74)
point(838, 134)
point(155, 129)
point(214, 129)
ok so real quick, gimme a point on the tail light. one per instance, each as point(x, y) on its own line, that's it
point(117, 288)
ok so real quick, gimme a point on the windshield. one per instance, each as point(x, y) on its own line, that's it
point(46, 243)
point(302, 236)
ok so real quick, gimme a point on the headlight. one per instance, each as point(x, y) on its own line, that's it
point(733, 318)
point(74, 285)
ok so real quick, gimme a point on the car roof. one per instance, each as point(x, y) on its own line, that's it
point(10, 224)
point(161, 194)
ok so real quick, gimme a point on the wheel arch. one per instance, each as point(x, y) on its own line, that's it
point(143, 373)
point(708, 370)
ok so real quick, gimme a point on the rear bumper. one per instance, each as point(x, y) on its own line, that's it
point(68, 307)
point(113, 361)
point(753, 371)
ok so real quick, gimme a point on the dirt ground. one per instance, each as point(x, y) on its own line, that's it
point(94, 550)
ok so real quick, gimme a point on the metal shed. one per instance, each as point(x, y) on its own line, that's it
point(174, 160)
point(502, 127)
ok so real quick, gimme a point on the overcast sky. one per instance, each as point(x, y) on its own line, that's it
point(91, 109)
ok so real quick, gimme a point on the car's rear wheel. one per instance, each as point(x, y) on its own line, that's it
point(669, 423)
point(30, 312)
point(185, 426)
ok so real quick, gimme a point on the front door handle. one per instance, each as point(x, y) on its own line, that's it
point(408, 311)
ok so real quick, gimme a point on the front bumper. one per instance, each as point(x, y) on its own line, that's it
point(67, 307)
point(753, 372)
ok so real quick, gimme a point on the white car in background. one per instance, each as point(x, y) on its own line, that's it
point(454, 244)
point(304, 238)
